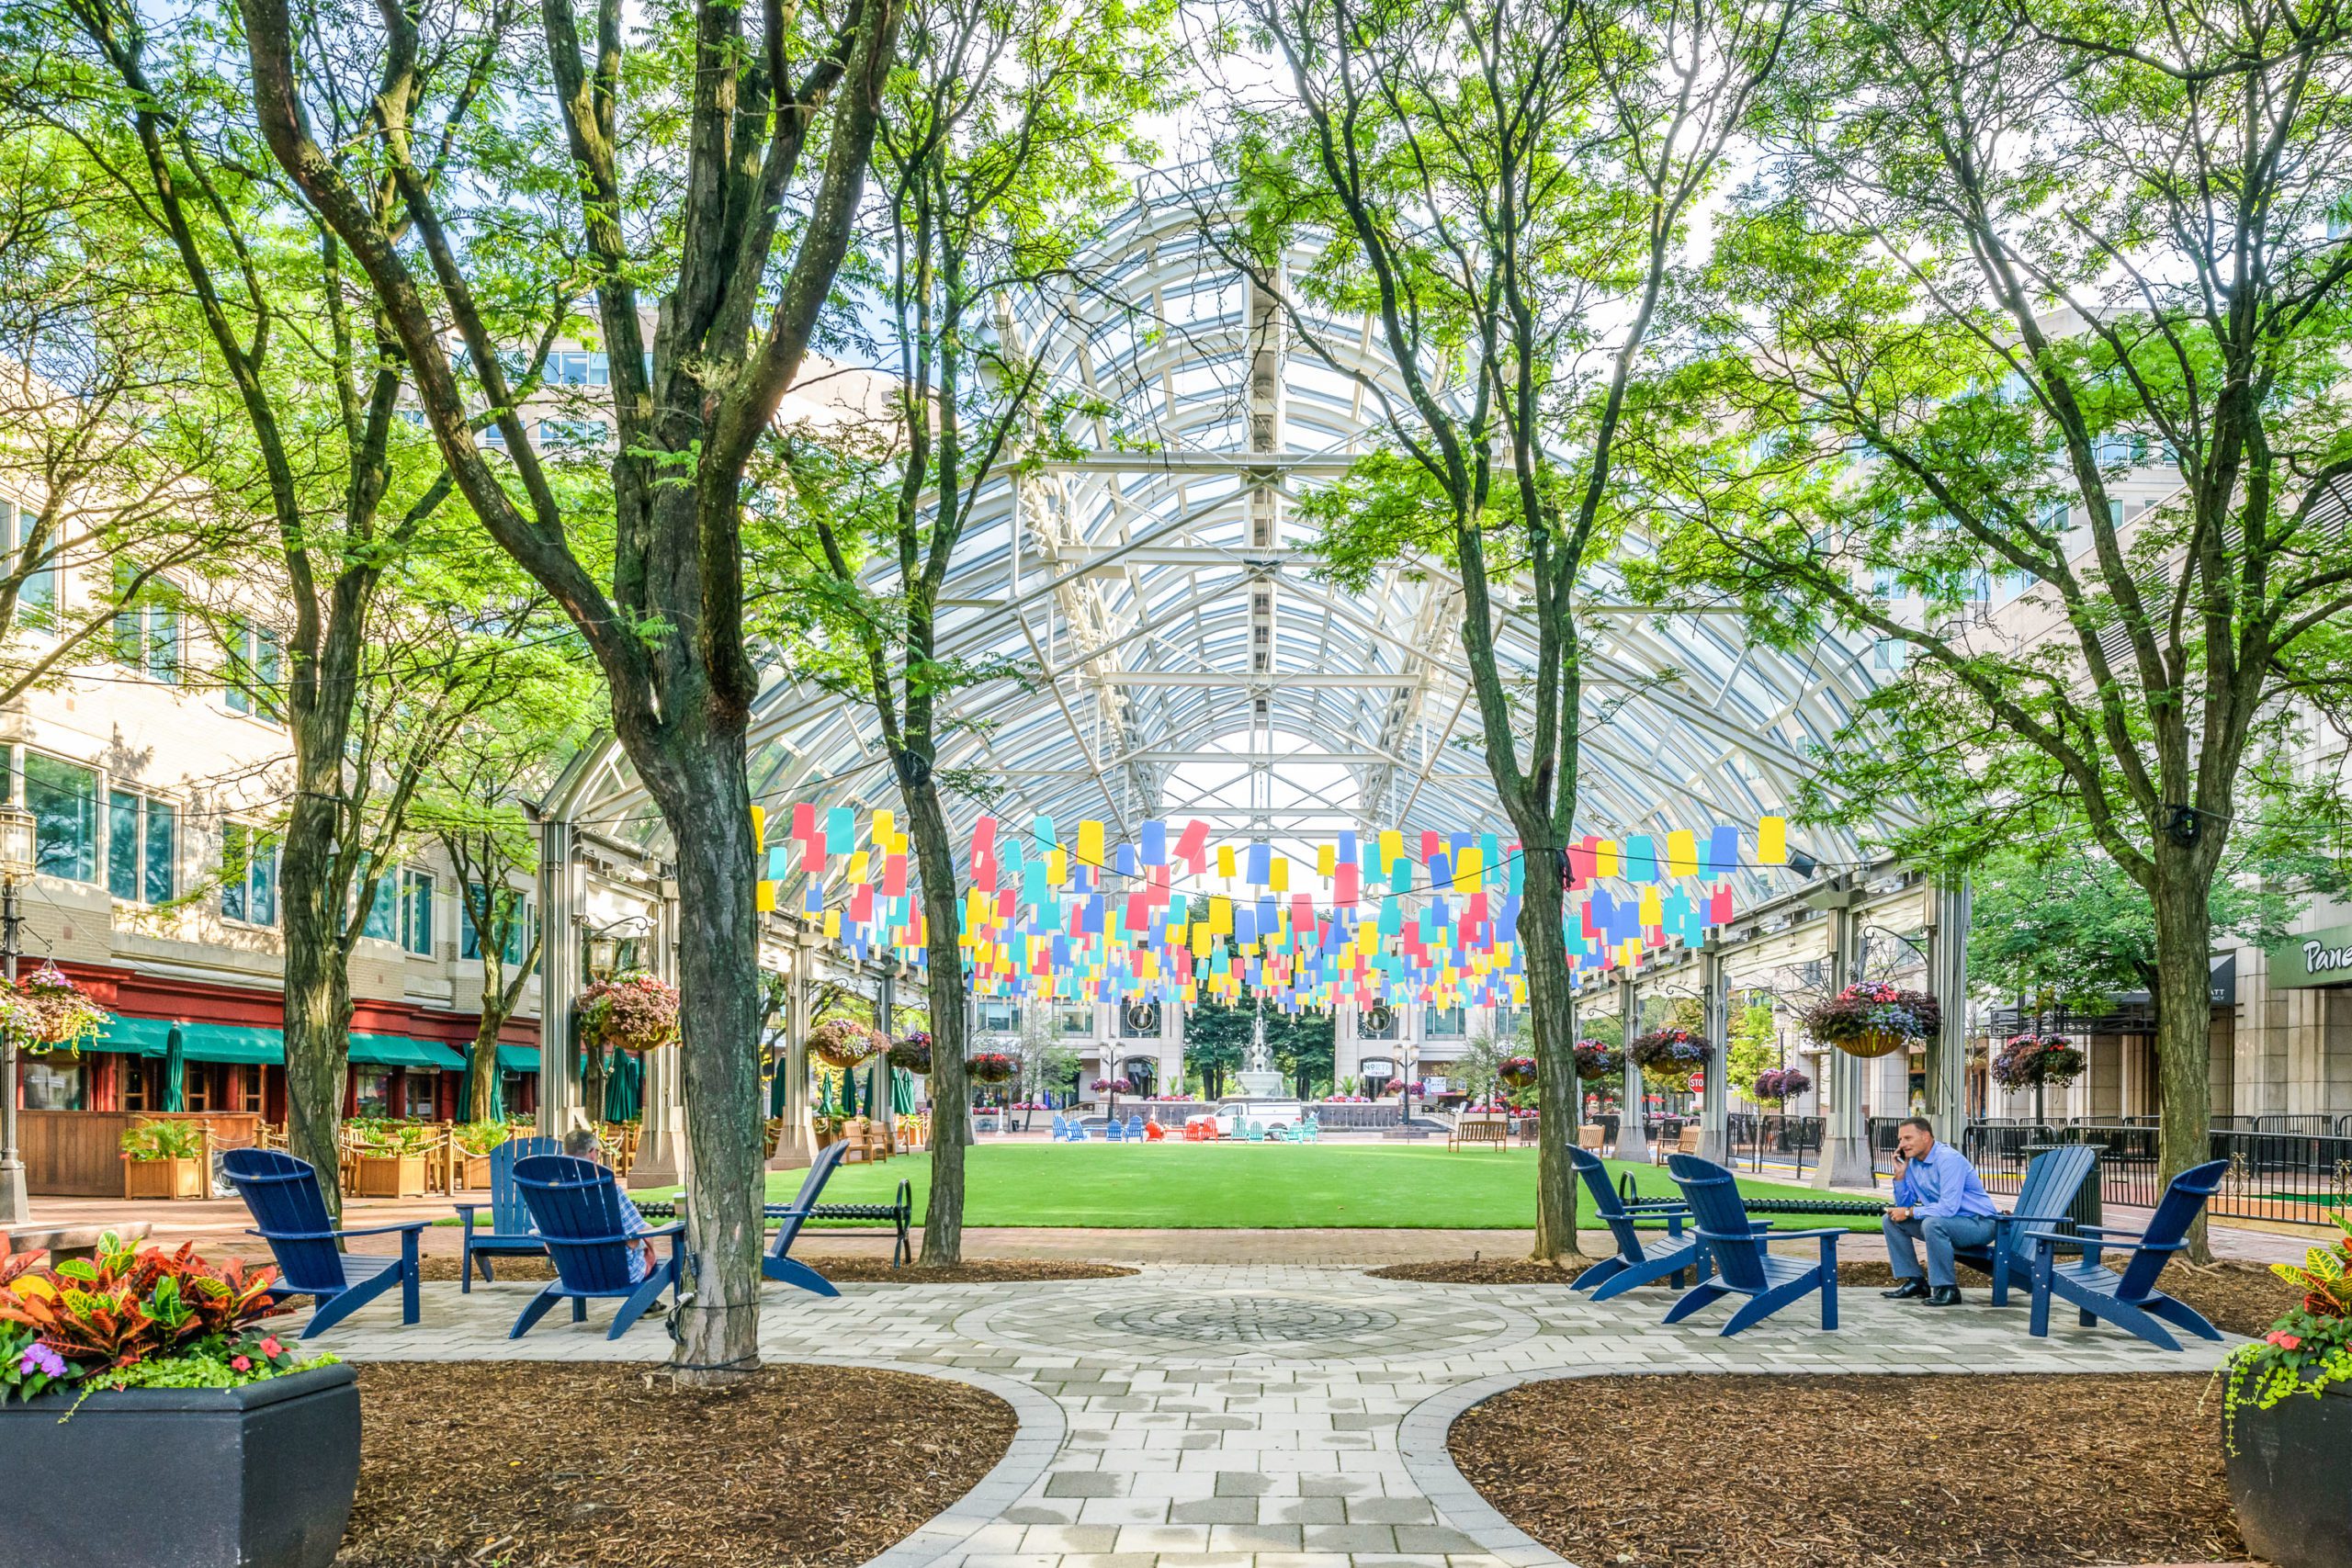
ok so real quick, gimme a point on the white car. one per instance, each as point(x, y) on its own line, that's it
point(1277, 1115)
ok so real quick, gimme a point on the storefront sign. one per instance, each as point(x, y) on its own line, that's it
point(1378, 1066)
point(2317, 958)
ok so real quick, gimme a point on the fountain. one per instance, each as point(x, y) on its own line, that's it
point(1258, 1078)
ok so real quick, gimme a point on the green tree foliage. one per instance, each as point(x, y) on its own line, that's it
point(1754, 1046)
point(1997, 260)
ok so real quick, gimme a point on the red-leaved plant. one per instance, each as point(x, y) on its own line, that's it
point(122, 1307)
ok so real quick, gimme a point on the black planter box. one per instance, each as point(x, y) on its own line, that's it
point(2290, 1480)
point(255, 1477)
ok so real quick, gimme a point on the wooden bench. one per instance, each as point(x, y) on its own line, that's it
point(1493, 1131)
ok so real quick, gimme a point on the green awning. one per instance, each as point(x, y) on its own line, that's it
point(133, 1036)
point(400, 1051)
point(519, 1058)
point(231, 1043)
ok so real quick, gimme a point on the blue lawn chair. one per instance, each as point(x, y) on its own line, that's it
point(2130, 1299)
point(1635, 1265)
point(1735, 1246)
point(1314, 1128)
point(1112, 1133)
point(1134, 1127)
point(576, 1204)
point(1077, 1131)
point(2047, 1191)
point(1061, 1128)
point(777, 1262)
point(289, 1212)
point(510, 1234)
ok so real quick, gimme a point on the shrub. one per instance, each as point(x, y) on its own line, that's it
point(164, 1140)
point(480, 1137)
point(2306, 1351)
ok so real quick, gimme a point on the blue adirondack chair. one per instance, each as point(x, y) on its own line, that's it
point(1112, 1133)
point(2047, 1191)
point(1061, 1128)
point(1077, 1131)
point(1314, 1128)
point(1634, 1264)
point(576, 1204)
point(282, 1193)
point(2128, 1299)
point(510, 1234)
point(777, 1263)
point(1735, 1246)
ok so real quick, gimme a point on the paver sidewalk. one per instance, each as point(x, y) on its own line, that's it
point(1203, 1416)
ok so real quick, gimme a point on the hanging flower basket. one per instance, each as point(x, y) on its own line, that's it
point(991, 1066)
point(1669, 1051)
point(46, 1011)
point(1516, 1072)
point(1113, 1086)
point(844, 1042)
point(1777, 1086)
point(2030, 1059)
point(1596, 1060)
point(1873, 1021)
point(913, 1053)
point(629, 1012)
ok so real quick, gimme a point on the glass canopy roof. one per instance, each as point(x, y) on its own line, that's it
point(1183, 661)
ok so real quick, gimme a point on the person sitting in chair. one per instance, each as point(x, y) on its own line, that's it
point(581, 1143)
point(1939, 1200)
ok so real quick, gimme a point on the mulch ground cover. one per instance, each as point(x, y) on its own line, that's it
point(1838, 1471)
point(583, 1465)
point(2237, 1298)
point(843, 1270)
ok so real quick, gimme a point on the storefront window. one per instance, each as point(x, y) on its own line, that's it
point(55, 1085)
point(421, 1089)
point(374, 1086)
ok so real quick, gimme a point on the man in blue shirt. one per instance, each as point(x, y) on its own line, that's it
point(1939, 1200)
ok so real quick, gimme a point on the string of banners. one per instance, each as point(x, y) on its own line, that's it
point(1389, 917)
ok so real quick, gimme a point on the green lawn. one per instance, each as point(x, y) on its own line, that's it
point(1244, 1186)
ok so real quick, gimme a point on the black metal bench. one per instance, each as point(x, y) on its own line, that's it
point(899, 1213)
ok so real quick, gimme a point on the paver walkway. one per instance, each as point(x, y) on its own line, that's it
point(1257, 1416)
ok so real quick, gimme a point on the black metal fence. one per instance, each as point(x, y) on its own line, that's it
point(2295, 1168)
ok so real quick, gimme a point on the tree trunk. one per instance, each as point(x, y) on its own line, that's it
point(2182, 898)
point(484, 1080)
point(951, 1127)
point(1544, 953)
point(317, 1000)
point(699, 781)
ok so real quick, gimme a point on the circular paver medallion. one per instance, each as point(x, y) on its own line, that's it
point(1246, 1320)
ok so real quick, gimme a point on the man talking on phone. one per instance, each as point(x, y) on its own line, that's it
point(1939, 1200)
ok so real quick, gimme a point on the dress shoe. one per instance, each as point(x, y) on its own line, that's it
point(1945, 1296)
point(1908, 1290)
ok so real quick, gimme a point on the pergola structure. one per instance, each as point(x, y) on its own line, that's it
point(1180, 655)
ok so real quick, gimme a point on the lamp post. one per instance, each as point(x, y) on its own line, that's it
point(16, 866)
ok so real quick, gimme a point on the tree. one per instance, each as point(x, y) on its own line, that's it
point(1506, 185)
point(701, 202)
point(1754, 1046)
point(996, 159)
point(1480, 1065)
point(1305, 1046)
point(1217, 1041)
point(2006, 257)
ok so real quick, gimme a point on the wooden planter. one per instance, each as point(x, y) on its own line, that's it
point(476, 1173)
point(164, 1179)
point(390, 1176)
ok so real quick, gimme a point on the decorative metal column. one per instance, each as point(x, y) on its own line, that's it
point(16, 865)
point(661, 1135)
point(559, 915)
point(794, 1147)
point(1947, 974)
point(1633, 1137)
point(1844, 1143)
point(1714, 1097)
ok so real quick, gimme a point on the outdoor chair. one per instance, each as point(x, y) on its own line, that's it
point(777, 1262)
point(1153, 1132)
point(1192, 1132)
point(1588, 1136)
point(576, 1204)
point(1061, 1128)
point(282, 1193)
point(1112, 1133)
point(1077, 1131)
point(1257, 1131)
point(1635, 1265)
point(1744, 1266)
point(1313, 1129)
point(510, 1234)
point(1134, 1127)
point(2128, 1299)
point(2044, 1197)
point(1685, 1141)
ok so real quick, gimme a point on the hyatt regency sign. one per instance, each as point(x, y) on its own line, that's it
point(2316, 958)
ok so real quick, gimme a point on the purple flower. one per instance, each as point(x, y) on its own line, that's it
point(38, 1358)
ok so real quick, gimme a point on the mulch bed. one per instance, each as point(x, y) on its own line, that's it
point(1841, 1471)
point(583, 1465)
point(2237, 1298)
point(844, 1271)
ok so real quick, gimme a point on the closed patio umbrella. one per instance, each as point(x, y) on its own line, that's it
point(903, 1092)
point(625, 1090)
point(175, 1071)
point(776, 1086)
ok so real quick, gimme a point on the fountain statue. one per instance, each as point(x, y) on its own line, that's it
point(1258, 1078)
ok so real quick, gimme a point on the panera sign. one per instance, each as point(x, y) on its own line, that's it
point(2322, 958)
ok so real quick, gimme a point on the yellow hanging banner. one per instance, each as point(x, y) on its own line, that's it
point(1771, 841)
point(1683, 853)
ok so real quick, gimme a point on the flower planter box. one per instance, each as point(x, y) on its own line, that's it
point(390, 1176)
point(476, 1173)
point(164, 1179)
point(255, 1477)
point(2290, 1480)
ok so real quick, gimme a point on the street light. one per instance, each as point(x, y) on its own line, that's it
point(16, 866)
